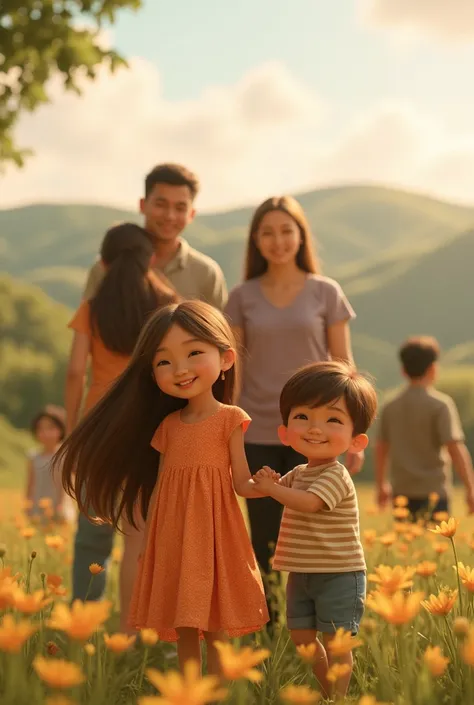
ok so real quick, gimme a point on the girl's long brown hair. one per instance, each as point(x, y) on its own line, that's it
point(129, 292)
point(107, 462)
point(306, 259)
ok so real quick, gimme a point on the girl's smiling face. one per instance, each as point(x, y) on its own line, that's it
point(322, 433)
point(186, 367)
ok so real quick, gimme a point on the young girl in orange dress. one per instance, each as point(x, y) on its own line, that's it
point(168, 435)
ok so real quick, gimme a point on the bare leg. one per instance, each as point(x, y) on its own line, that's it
point(132, 546)
point(189, 647)
point(213, 661)
point(342, 685)
point(320, 664)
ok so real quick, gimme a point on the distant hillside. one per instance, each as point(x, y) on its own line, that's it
point(356, 227)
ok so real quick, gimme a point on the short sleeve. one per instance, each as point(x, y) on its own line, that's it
point(160, 437)
point(237, 417)
point(287, 480)
point(216, 293)
point(448, 423)
point(338, 308)
point(81, 321)
point(330, 487)
point(233, 310)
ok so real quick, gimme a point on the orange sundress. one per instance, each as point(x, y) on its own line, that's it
point(198, 569)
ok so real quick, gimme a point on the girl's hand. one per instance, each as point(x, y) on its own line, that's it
point(265, 479)
point(268, 472)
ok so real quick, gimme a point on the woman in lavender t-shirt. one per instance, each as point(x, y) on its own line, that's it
point(285, 315)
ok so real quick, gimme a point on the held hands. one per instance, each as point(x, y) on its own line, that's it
point(265, 478)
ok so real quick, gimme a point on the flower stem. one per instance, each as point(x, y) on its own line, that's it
point(457, 574)
point(142, 669)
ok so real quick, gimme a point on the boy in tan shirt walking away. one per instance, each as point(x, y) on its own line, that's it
point(419, 437)
point(326, 408)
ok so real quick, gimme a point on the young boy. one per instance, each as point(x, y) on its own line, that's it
point(326, 409)
point(419, 435)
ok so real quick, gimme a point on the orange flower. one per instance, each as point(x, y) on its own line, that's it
point(370, 536)
point(426, 568)
point(89, 649)
point(392, 579)
point(28, 533)
point(401, 501)
point(446, 529)
point(118, 642)
point(435, 661)
point(467, 576)
point(148, 637)
point(117, 554)
point(187, 689)
point(30, 604)
point(14, 634)
point(96, 569)
point(53, 580)
point(45, 502)
point(58, 673)
point(441, 516)
point(397, 609)
point(80, 621)
point(440, 547)
point(388, 539)
point(461, 626)
point(370, 700)
point(401, 512)
point(441, 604)
point(343, 642)
point(433, 498)
point(337, 671)
point(299, 695)
point(307, 652)
point(54, 541)
point(59, 700)
point(238, 664)
point(7, 590)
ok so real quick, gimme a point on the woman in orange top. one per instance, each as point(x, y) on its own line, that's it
point(106, 329)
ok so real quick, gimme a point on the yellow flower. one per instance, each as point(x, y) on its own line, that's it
point(468, 648)
point(426, 568)
point(28, 533)
point(397, 609)
point(401, 501)
point(446, 529)
point(58, 673)
point(388, 539)
point(59, 700)
point(89, 649)
point(392, 579)
point(307, 652)
point(440, 547)
point(186, 689)
point(45, 502)
point(238, 664)
point(118, 642)
point(461, 626)
point(435, 661)
point(342, 643)
point(433, 498)
point(149, 637)
point(96, 569)
point(54, 541)
point(299, 695)
point(14, 634)
point(370, 700)
point(441, 516)
point(416, 530)
point(467, 576)
point(370, 536)
point(441, 604)
point(29, 604)
point(8, 586)
point(401, 512)
point(81, 620)
point(337, 671)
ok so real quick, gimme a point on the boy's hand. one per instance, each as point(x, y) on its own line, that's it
point(384, 495)
point(265, 478)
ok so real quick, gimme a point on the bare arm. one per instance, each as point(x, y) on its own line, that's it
point(30, 480)
point(244, 485)
point(383, 488)
point(75, 378)
point(462, 462)
point(299, 500)
point(240, 340)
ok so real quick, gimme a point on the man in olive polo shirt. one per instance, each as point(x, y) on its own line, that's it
point(168, 207)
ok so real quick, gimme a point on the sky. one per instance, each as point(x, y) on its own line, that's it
point(264, 97)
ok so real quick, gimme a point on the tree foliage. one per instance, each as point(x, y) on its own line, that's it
point(41, 38)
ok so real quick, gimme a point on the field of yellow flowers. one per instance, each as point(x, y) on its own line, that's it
point(415, 647)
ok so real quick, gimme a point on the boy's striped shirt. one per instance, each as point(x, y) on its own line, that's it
point(327, 541)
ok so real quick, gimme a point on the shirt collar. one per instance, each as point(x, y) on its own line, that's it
point(180, 260)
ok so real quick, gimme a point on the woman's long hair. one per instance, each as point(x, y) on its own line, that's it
point(306, 259)
point(107, 462)
point(129, 292)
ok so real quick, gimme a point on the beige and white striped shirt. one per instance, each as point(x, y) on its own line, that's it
point(327, 541)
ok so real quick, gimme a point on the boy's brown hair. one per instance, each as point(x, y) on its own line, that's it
point(321, 383)
point(173, 175)
point(417, 354)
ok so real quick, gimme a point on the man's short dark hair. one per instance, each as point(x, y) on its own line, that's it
point(418, 354)
point(173, 175)
point(322, 383)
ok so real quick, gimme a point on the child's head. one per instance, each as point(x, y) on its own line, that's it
point(326, 409)
point(129, 292)
point(419, 357)
point(49, 426)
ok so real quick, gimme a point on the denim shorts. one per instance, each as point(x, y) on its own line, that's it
point(325, 601)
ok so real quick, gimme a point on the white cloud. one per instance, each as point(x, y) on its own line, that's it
point(266, 134)
point(446, 20)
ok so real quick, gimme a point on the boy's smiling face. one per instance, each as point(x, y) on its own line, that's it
point(322, 433)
